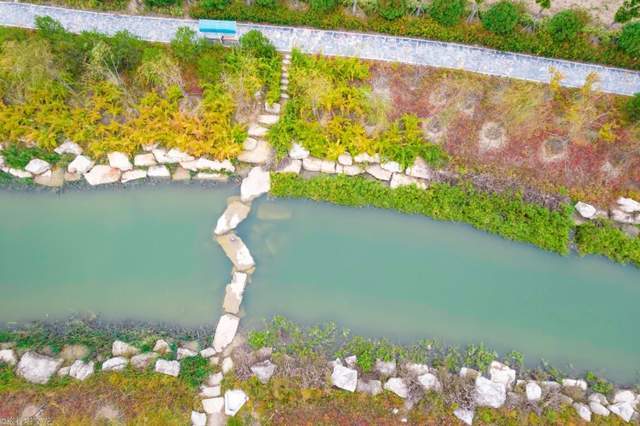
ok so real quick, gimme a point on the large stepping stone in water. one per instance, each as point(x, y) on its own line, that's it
point(236, 251)
point(225, 331)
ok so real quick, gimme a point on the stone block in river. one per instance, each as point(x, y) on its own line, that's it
point(36, 368)
point(234, 292)
point(235, 213)
point(225, 331)
point(257, 182)
point(236, 251)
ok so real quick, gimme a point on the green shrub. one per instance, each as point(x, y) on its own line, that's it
point(602, 237)
point(566, 25)
point(126, 50)
point(255, 43)
point(501, 18)
point(266, 3)
point(629, 40)
point(212, 5)
point(392, 9)
point(160, 3)
point(323, 5)
point(632, 108)
point(447, 12)
point(630, 9)
point(18, 157)
point(186, 45)
point(503, 214)
point(597, 384)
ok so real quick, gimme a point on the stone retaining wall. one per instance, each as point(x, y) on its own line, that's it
point(365, 46)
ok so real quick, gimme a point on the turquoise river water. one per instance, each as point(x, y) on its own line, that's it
point(147, 254)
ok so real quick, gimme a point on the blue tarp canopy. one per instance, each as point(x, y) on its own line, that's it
point(217, 27)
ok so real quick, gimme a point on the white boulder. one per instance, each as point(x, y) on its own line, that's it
point(378, 172)
point(391, 166)
point(216, 177)
point(500, 373)
point(8, 356)
point(344, 378)
point(227, 365)
point(119, 160)
point(19, 173)
point(573, 383)
point(372, 387)
point(81, 370)
point(170, 368)
point(158, 172)
point(198, 419)
point(210, 391)
point(36, 368)
point(489, 393)
point(183, 353)
point(397, 386)
point(628, 205)
point(624, 396)
point(533, 391)
point(143, 360)
point(624, 410)
point(398, 180)
point(207, 352)
point(366, 158)
point(298, 152)
point(161, 346)
point(177, 156)
point(385, 368)
point(261, 154)
point(345, 159)
point(115, 364)
point(416, 369)
point(233, 401)
point(215, 379)
point(289, 166)
point(583, 411)
point(213, 405)
point(256, 131)
point(235, 213)
point(68, 147)
point(257, 182)
point(349, 170)
point(598, 409)
point(225, 331)
point(264, 370)
point(37, 166)
point(101, 175)
point(81, 164)
point(130, 175)
point(466, 416)
point(312, 164)
point(268, 119)
point(120, 348)
point(587, 211)
point(144, 160)
point(430, 382)
point(420, 169)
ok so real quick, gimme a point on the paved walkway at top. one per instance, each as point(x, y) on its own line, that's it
point(339, 43)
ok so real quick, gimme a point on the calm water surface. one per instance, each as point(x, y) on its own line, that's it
point(142, 253)
point(380, 273)
point(147, 253)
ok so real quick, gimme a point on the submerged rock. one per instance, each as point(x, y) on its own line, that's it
point(235, 213)
point(36, 368)
point(344, 378)
point(234, 292)
point(236, 251)
point(53, 178)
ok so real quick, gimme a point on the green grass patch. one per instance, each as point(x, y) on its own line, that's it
point(504, 214)
point(602, 237)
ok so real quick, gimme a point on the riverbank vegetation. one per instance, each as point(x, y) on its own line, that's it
point(119, 93)
point(602, 237)
point(582, 143)
point(504, 214)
